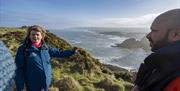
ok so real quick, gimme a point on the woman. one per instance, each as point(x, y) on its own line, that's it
point(33, 61)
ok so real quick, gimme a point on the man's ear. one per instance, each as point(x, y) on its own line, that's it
point(175, 35)
point(178, 34)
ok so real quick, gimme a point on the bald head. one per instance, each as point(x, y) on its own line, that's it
point(168, 20)
point(165, 29)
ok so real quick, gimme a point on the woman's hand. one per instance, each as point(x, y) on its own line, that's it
point(76, 49)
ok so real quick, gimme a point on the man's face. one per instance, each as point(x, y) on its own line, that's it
point(158, 37)
point(35, 36)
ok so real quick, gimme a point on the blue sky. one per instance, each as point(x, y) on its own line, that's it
point(57, 14)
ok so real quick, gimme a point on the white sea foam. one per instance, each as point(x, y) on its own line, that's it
point(75, 42)
point(118, 39)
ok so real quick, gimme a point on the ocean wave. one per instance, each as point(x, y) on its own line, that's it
point(129, 62)
point(80, 30)
point(75, 42)
point(118, 39)
point(133, 59)
point(108, 60)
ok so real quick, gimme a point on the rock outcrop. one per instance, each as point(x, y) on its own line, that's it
point(132, 43)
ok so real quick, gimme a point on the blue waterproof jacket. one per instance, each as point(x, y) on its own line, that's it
point(35, 70)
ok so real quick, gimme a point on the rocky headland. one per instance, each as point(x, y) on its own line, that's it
point(132, 43)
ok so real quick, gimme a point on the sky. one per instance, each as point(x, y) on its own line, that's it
point(58, 14)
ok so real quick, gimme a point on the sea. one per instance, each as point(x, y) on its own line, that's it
point(99, 43)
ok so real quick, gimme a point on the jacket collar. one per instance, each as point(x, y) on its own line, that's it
point(169, 49)
point(33, 48)
point(164, 57)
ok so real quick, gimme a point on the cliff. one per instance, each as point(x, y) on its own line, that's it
point(80, 72)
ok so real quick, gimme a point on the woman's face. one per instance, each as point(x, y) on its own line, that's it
point(35, 36)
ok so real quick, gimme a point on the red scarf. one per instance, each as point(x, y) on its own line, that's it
point(37, 45)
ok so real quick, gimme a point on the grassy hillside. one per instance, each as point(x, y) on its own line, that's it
point(80, 72)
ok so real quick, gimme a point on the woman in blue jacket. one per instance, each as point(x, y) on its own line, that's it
point(33, 61)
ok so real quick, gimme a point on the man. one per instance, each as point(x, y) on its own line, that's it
point(161, 69)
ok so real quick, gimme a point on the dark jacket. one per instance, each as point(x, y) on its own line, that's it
point(159, 68)
point(35, 70)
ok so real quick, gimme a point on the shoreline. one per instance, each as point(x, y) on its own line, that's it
point(119, 68)
point(122, 73)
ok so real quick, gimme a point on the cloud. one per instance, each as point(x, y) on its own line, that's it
point(142, 21)
point(52, 22)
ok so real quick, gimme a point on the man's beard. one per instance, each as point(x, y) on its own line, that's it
point(159, 44)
